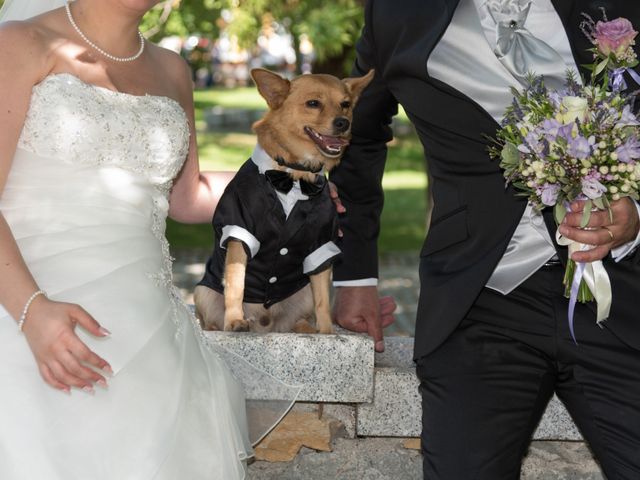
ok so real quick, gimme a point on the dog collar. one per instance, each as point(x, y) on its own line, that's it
point(296, 166)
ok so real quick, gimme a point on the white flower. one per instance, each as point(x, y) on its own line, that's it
point(572, 109)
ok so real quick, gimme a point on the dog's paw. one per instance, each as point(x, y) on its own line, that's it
point(302, 326)
point(209, 326)
point(239, 325)
point(326, 329)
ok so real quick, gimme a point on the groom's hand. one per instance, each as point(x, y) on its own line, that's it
point(601, 232)
point(360, 309)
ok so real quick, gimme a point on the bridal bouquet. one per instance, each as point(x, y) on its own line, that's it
point(578, 143)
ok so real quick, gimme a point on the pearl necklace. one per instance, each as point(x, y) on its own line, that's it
point(97, 48)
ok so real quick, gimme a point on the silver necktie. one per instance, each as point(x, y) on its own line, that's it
point(519, 51)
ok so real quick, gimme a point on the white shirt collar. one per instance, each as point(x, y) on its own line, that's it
point(288, 200)
point(262, 159)
point(264, 162)
point(537, 5)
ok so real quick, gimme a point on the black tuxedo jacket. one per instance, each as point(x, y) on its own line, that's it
point(473, 215)
point(251, 203)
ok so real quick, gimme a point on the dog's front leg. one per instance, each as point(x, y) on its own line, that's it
point(234, 273)
point(320, 287)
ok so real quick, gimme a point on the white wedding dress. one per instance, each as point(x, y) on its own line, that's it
point(86, 200)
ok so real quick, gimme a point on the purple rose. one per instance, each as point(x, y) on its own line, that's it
point(549, 193)
point(615, 36)
point(592, 188)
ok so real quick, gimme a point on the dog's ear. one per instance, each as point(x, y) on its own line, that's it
point(358, 84)
point(273, 88)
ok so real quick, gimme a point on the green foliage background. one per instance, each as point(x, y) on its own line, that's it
point(332, 26)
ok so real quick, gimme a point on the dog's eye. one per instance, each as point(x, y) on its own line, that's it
point(345, 105)
point(313, 103)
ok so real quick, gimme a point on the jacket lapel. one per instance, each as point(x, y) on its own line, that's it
point(570, 13)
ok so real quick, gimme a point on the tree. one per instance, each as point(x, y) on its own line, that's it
point(331, 26)
point(183, 17)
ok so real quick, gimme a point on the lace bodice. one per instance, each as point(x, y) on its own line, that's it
point(84, 124)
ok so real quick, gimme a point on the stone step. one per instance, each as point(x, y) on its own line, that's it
point(396, 410)
point(330, 368)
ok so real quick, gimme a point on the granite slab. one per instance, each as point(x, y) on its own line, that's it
point(396, 410)
point(329, 368)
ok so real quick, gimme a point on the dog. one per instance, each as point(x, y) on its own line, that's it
point(276, 223)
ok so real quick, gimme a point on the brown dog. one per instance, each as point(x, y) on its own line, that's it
point(275, 224)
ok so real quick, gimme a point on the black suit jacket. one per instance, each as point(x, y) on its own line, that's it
point(473, 216)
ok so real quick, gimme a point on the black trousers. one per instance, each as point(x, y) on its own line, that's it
point(485, 389)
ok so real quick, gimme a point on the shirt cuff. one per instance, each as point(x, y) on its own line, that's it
point(363, 282)
point(619, 253)
point(241, 234)
point(319, 257)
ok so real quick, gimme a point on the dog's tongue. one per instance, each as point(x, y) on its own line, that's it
point(333, 142)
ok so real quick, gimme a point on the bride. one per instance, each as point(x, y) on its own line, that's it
point(105, 373)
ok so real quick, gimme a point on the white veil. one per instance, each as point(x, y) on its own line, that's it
point(23, 9)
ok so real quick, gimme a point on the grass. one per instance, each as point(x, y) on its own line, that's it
point(403, 218)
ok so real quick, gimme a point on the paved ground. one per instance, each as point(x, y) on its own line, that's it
point(398, 277)
point(387, 459)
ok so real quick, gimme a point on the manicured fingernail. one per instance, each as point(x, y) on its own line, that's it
point(102, 383)
point(88, 390)
point(380, 346)
point(104, 332)
point(107, 368)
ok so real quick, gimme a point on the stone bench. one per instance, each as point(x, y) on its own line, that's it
point(343, 369)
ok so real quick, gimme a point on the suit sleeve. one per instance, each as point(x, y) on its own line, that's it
point(232, 220)
point(324, 251)
point(359, 175)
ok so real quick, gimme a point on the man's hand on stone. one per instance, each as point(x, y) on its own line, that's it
point(360, 309)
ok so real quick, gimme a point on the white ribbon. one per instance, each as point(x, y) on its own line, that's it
point(594, 275)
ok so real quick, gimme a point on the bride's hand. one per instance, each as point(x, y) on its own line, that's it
point(62, 358)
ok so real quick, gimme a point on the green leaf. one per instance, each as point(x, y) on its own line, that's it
point(601, 66)
point(598, 202)
point(586, 214)
point(510, 154)
point(559, 212)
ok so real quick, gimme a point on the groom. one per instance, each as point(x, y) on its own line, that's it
point(492, 339)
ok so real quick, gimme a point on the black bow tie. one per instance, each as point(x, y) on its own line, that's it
point(283, 182)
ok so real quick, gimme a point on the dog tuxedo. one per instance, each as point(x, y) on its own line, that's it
point(286, 227)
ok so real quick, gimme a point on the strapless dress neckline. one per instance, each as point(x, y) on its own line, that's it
point(77, 79)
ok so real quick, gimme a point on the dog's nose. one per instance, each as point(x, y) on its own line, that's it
point(341, 124)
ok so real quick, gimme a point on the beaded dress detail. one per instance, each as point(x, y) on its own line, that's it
point(87, 199)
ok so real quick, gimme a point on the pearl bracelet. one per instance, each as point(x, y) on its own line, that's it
point(23, 317)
